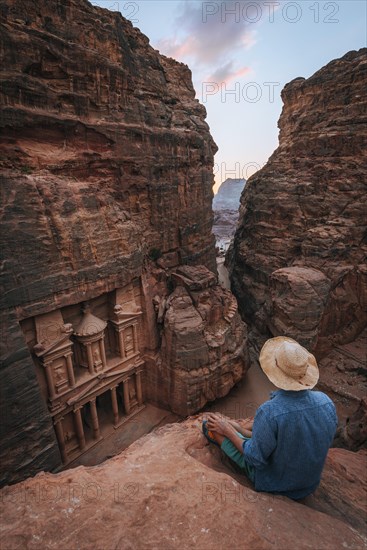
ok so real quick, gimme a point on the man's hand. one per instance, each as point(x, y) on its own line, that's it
point(218, 424)
point(223, 427)
point(247, 423)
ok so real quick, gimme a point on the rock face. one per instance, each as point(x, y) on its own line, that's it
point(170, 490)
point(300, 236)
point(107, 185)
point(343, 488)
point(297, 264)
point(354, 434)
point(204, 348)
point(225, 205)
point(343, 375)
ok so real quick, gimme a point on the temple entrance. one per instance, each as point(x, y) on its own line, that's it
point(96, 418)
point(89, 366)
point(117, 439)
point(99, 420)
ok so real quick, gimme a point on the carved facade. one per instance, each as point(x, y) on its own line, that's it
point(92, 367)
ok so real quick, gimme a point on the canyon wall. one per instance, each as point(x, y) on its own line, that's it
point(297, 262)
point(107, 174)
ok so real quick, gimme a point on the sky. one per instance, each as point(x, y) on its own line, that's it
point(241, 54)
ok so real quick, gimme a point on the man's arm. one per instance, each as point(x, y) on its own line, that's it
point(223, 427)
point(263, 442)
point(259, 447)
point(244, 427)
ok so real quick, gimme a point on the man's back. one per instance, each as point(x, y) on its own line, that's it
point(292, 433)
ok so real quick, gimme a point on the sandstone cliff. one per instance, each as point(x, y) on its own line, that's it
point(204, 343)
point(170, 490)
point(298, 257)
point(107, 174)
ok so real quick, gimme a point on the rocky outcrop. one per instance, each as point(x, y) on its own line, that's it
point(353, 435)
point(225, 205)
point(343, 375)
point(297, 262)
point(204, 348)
point(171, 490)
point(343, 488)
point(107, 181)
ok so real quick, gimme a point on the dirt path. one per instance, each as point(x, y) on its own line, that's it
point(223, 273)
point(249, 393)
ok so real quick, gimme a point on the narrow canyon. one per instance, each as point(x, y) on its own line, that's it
point(109, 290)
point(111, 299)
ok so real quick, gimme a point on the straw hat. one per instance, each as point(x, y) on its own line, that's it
point(288, 365)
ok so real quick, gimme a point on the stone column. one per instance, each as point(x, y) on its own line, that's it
point(61, 439)
point(79, 428)
point(94, 416)
point(103, 353)
point(126, 396)
point(135, 337)
point(121, 344)
point(78, 354)
point(139, 393)
point(50, 380)
point(115, 406)
point(90, 358)
point(69, 366)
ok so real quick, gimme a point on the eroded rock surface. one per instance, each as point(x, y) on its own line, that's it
point(342, 492)
point(107, 174)
point(171, 490)
point(343, 375)
point(298, 258)
point(204, 347)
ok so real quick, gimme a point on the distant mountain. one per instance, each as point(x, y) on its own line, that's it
point(225, 205)
point(229, 193)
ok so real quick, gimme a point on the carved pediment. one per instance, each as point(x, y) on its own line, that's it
point(40, 350)
point(52, 333)
point(122, 314)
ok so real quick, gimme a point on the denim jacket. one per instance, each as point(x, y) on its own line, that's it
point(292, 433)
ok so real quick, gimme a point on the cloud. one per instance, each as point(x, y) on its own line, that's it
point(227, 72)
point(213, 37)
point(209, 36)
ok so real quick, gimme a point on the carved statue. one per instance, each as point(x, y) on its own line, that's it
point(160, 305)
point(96, 356)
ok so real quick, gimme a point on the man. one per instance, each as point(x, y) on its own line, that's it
point(291, 433)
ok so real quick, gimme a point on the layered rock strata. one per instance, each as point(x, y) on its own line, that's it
point(107, 165)
point(171, 490)
point(297, 264)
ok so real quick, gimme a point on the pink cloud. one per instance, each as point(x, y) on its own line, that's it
point(212, 44)
point(212, 39)
point(178, 50)
point(227, 73)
